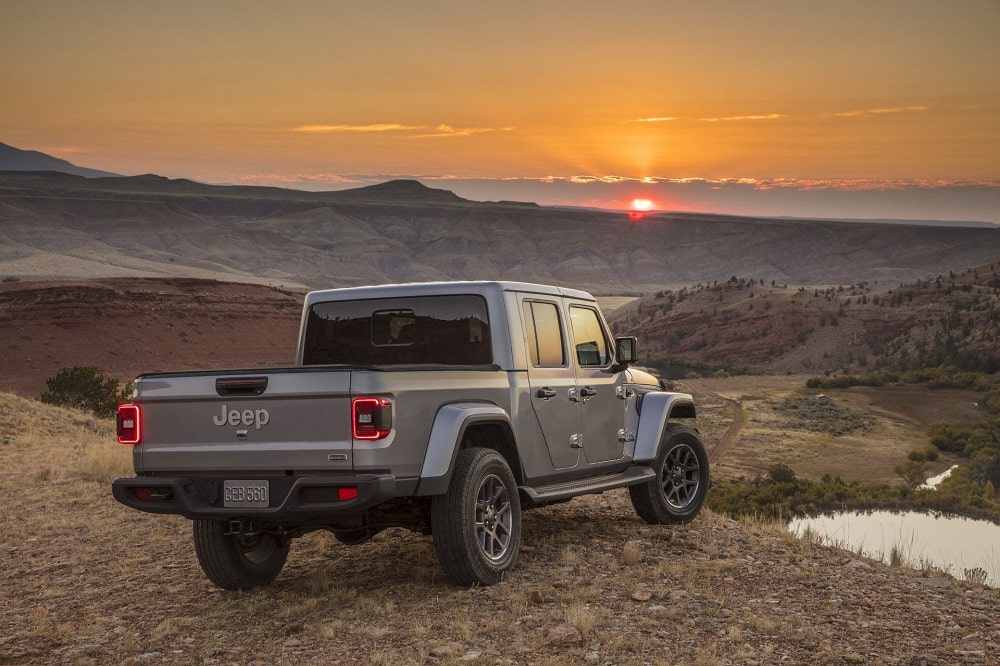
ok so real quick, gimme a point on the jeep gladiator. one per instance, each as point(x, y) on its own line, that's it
point(443, 408)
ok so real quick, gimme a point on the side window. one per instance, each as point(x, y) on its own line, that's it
point(545, 347)
point(588, 335)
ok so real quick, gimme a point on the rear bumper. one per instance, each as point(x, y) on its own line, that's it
point(292, 500)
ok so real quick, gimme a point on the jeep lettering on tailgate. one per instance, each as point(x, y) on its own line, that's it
point(257, 418)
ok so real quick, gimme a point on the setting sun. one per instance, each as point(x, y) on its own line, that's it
point(642, 204)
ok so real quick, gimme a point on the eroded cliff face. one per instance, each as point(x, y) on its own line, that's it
point(128, 326)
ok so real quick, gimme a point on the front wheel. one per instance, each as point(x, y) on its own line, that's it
point(237, 561)
point(678, 491)
point(477, 524)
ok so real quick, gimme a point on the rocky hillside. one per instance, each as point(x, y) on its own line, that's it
point(126, 326)
point(950, 319)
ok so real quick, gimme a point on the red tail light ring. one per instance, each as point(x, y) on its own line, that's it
point(129, 424)
point(371, 418)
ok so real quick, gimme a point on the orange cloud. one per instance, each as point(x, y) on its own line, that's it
point(449, 131)
point(874, 112)
point(769, 116)
point(376, 127)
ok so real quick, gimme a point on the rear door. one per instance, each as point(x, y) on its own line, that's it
point(552, 380)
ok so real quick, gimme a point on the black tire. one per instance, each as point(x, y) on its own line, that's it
point(237, 562)
point(678, 492)
point(477, 524)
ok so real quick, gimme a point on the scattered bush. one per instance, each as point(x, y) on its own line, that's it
point(912, 472)
point(929, 454)
point(966, 439)
point(83, 387)
point(780, 473)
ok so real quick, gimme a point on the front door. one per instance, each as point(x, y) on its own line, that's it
point(602, 411)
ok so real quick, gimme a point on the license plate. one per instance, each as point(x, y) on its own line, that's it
point(245, 494)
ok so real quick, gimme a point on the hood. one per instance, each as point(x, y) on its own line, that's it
point(641, 377)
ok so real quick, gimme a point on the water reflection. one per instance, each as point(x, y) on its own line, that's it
point(956, 545)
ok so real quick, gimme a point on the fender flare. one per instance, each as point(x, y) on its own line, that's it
point(450, 424)
point(657, 408)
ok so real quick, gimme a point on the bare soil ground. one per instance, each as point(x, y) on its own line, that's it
point(87, 581)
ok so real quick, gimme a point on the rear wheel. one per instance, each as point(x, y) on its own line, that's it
point(477, 524)
point(677, 493)
point(237, 561)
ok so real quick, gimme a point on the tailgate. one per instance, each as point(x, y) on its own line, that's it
point(287, 420)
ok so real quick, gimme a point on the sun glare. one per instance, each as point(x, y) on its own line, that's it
point(642, 204)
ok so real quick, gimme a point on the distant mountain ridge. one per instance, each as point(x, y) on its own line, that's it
point(402, 190)
point(15, 159)
point(60, 226)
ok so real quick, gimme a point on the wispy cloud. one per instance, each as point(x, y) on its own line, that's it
point(447, 131)
point(339, 181)
point(297, 179)
point(767, 116)
point(375, 127)
point(817, 198)
point(425, 131)
point(916, 108)
point(754, 183)
point(653, 119)
point(876, 112)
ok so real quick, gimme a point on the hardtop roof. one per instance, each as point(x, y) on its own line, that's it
point(442, 289)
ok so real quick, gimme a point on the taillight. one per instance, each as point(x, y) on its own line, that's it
point(371, 418)
point(129, 424)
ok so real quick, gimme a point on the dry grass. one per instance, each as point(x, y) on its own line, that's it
point(88, 581)
point(90, 454)
point(633, 552)
point(897, 425)
point(584, 618)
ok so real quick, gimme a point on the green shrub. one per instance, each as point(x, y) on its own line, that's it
point(780, 473)
point(966, 439)
point(912, 472)
point(83, 387)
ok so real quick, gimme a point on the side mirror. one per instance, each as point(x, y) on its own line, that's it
point(626, 350)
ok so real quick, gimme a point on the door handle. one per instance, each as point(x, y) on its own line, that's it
point(546, 393)
point(587, 392)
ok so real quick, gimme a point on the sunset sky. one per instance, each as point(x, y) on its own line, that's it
point(844, 109)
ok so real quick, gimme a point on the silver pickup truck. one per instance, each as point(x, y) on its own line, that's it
point(444, 408)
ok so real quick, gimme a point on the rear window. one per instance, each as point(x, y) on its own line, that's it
point(443, 330)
